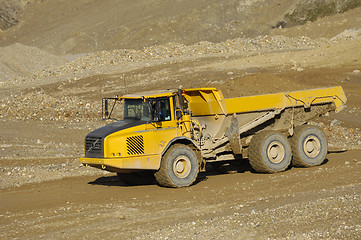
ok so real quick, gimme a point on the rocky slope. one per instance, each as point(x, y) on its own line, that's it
point(91, 25)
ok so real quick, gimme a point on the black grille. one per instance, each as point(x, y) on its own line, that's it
point(93, 146)
point(135, 145)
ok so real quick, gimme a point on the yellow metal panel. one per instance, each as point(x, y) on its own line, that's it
point(215, 104)
point(165, 131)
point(150, 162)
point(199, 89)
point(163, 136)
point(205, 101)
point(256, 103)
point(320, 95)
point(150, 94)
point(116, 142)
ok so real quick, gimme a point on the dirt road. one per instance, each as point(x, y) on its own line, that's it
point(320, 202)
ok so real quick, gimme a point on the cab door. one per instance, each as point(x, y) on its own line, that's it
point(166, 126)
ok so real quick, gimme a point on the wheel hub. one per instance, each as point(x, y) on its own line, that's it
point(312, 146)
point(275, 152)
point(179, 166)
point(182, 166)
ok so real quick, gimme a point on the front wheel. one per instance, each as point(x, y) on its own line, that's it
point(269, 152)
point(179, 167)
point(309, 146)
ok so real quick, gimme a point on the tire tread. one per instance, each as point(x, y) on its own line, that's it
point(297, 160)
point(161, 175)
point(255, 156)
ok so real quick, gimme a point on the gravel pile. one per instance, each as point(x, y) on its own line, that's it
point(18, 60)
point(347, 34)
point(171, 50)
point(39, 106)
point(15, 176)
point(338, 137)
point(99, 61)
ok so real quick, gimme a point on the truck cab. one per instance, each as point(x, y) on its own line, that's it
point(152, 123)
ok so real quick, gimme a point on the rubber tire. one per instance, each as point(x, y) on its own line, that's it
point(165, 175)
point(300, 159)
point(258, 152)
point(137, 178)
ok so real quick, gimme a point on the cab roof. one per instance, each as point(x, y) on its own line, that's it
point(163, 93)
point(150, 94)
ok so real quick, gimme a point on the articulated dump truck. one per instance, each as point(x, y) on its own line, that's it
point(172, 134)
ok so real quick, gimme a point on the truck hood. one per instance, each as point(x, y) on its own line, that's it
point(106, 130)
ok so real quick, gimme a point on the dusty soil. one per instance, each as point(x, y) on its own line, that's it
point(49, 102)
point(322, 202)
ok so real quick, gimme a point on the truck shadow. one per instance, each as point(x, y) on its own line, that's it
point(126, 179)
point(108, 181)
point(141, 179)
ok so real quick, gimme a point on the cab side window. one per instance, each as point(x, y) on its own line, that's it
point(163, 109)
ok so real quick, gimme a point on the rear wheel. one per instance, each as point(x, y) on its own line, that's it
point(179, 167)
point(269, 152)
point(309, 146)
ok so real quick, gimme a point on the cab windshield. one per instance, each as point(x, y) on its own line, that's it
point(136, 109)
point(155, 110)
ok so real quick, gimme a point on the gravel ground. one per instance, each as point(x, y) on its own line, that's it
point(314, 203)
point(15, 176)
point(331, 215)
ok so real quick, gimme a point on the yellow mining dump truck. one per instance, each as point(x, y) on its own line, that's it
point(173, 134)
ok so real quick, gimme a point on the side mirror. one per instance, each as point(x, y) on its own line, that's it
point(106, 110)
point(108, 105)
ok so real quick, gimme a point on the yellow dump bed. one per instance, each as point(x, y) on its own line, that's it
point(210, 101)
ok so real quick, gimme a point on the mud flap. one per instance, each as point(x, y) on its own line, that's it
point(232, 134)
